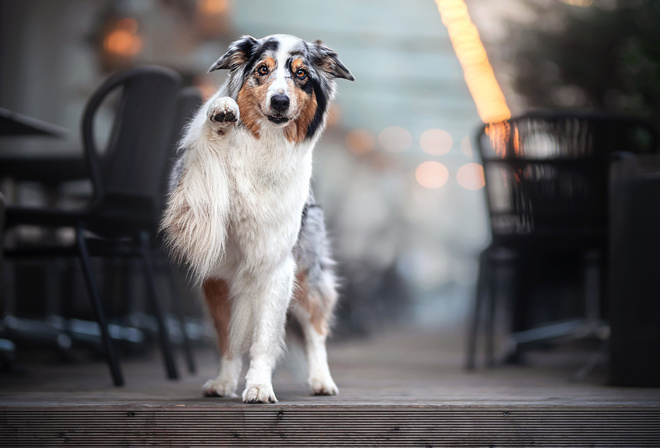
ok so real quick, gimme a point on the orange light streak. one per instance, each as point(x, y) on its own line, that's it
point(477, 71)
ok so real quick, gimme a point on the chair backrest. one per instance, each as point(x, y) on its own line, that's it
point(188, 101)
point(127, 176)
point(546, 173)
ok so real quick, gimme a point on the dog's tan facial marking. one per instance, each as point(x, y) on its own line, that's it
point(264, 69)
point(253, 93)
point(297, 130)
point(297, 64)
point(306, 103)
point(216, 293)
point(318, 315)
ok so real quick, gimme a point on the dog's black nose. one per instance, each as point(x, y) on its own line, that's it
point(279, 102)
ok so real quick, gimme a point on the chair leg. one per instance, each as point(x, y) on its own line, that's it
point(95, 297)
point(163, 335)
point(473, 332)
point(489, 328)
point(187, 347)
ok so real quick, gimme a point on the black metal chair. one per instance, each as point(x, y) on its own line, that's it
point(7, 347)
point(127, 179)
point(547, 193)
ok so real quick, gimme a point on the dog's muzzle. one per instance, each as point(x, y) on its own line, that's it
point(279, 104)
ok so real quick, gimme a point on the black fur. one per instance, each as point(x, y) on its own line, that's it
point(236, 55)
point(257, 53)
point(321, 105)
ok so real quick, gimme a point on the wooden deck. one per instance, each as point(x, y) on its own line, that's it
point(402, 389)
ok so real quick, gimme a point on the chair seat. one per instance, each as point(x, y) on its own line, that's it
point(48, 217)
point(106, 225)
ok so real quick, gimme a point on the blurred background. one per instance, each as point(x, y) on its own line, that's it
point(396, 171)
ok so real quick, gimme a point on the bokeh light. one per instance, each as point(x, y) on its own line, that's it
point(580, 3)
point(436, 142)
point(471, 176)
point(360, 141)
point(334, 115)
point(213, 7)
point(395, 139)
point(123, 40)
point(431, 174)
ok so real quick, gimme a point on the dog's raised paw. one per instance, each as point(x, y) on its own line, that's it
point(215, 388)
point(323, 386)
point(259, 393)
point(223, 113)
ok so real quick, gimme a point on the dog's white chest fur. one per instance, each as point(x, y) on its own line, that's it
point(255, 189)
point(268, 185)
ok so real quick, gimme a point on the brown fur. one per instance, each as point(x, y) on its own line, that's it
point(296, 131)
point(251, 95)
point(216, 293)
point(318, 314)
point(247, 101)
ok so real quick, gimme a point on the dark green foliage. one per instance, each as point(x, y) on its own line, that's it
point(606, 56)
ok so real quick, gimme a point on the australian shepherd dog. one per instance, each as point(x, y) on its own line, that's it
point(241, 216)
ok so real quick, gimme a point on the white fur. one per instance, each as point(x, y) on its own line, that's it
point(318, 373)
point(254, 191)
point(235, 215)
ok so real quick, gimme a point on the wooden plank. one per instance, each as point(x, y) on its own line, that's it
point(331, 426)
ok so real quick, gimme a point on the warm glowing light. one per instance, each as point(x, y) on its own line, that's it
point(432, 174)
point(395, 139)
point(213, 7)
point(499, 134)
point(478, 73)
point(334, 115)
point(580, 3)
point(466, 147)
point(206, 87)
point(360, 141)
point(436, 142)
point(471, 176)
point(123, 40)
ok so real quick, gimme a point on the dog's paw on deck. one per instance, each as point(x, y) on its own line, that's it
point(217, 388)
point(259, 393)
point(323, 386)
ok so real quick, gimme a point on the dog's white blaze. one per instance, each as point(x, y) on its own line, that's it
point(281, 84)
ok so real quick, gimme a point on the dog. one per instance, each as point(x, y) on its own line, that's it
point(240, 213)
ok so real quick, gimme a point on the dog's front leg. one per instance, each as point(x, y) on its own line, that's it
point(271, 300)
point(197, 211)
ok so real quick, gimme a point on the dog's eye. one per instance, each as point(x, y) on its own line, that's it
point(262, 70)
point(301, 74)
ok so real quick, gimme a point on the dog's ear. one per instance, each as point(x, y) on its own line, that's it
point(328, 61)
point(238, 54)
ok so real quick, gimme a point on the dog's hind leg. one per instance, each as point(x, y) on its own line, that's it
point(216, 293)
point(314, 300)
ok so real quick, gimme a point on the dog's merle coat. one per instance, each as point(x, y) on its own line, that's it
point(240, 213)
